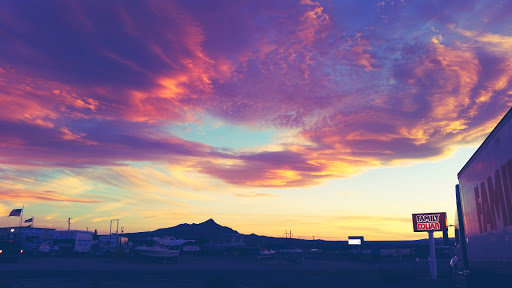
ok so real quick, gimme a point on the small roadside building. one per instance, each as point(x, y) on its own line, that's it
point(107, 244)
point(31, 237)
point(73, 241)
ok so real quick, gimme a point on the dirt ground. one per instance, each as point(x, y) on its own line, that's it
point(218, 271)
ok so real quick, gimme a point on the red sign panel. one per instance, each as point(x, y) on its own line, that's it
point(429, 221)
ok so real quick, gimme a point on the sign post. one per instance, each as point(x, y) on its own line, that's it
point(430, 222)
point(357, 241)
point(433, 263)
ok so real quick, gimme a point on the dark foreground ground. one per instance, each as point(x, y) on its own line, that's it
point(218, 271)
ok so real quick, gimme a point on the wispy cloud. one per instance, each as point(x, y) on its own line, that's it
point(50, 216)
point(36, 196)
point(253, 195)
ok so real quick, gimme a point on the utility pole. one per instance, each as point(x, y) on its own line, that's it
point(69, 224)
point(117, 231)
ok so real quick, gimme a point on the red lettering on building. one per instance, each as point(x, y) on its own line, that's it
point(493, 199)
point(497, 199)
point(507, 191)
point(486, 209)
point(479, 213)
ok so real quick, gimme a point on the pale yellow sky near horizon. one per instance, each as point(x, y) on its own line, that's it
point(376, 204)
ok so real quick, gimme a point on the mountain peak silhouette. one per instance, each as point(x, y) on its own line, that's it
point(208, 229)
point(209, 222)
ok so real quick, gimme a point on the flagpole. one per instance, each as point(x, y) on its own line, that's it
point(21, 219)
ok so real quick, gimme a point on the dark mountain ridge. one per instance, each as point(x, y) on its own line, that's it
point(211, 232)
point(203, 232)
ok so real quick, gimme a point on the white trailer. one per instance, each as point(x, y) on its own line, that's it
point(484, 204)
point(74, 241)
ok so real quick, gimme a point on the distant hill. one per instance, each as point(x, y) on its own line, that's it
point(203, 232)
point(210, 231)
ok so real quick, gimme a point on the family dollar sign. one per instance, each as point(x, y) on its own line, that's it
point(429, 221)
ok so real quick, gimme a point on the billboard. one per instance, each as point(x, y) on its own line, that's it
point(429, 221)
point(355, 240)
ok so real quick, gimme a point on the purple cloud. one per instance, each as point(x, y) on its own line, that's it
point(85, 84)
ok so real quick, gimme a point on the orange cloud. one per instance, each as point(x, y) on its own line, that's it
point(356, 52)
point(36, 196)
point(25, 110)
point(40, 102)
point(70, 136)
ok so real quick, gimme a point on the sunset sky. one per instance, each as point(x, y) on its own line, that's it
point(329, 118)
